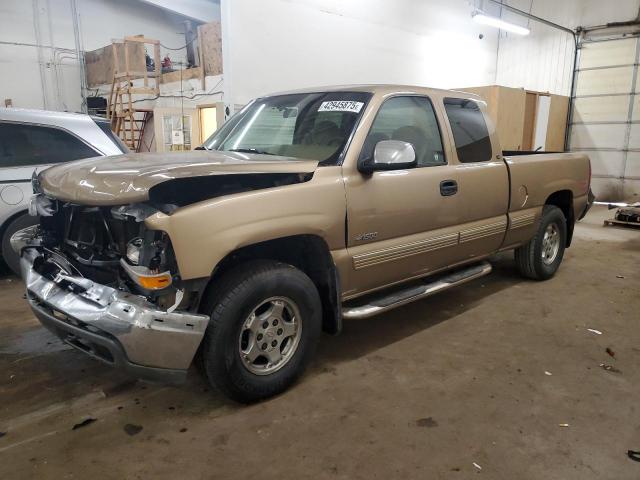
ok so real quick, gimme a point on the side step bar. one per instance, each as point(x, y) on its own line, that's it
point(416, 292)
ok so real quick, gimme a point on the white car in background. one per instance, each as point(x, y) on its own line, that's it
point(32, 140)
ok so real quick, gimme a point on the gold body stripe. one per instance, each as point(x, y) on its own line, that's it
point(522, 221)
point(483, 231)
point(403, 251)
point(400, 252)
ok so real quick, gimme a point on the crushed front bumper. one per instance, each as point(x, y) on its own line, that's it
point(117, 327)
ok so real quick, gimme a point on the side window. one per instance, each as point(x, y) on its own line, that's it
point(409, 119)
point(23, 145)
point(469, 130)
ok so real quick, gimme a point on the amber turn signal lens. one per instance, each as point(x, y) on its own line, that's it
point(155, 282)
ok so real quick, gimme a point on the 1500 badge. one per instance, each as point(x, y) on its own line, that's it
point(363, 237)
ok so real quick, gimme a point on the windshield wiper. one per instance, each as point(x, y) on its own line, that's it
point(251, 150)
point(201, 147)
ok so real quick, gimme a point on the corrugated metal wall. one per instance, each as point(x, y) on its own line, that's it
point(542, 61)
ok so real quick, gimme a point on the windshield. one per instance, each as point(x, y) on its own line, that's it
point(315, 126)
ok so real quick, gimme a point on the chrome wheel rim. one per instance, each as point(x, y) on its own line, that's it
point(270, 335)
point(550, 244)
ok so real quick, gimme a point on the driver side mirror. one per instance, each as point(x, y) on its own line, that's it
point(390, 155)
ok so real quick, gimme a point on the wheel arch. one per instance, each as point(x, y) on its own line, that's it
point(310, 254)
point(563, 199)
point(7, 221)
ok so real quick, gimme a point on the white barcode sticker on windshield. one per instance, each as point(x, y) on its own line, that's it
point(341, 106)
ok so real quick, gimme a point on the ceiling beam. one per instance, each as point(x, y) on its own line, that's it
point(199, 10)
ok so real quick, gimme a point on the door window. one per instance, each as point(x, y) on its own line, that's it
point(24, 144)
point(470, 133)
point(409, 119)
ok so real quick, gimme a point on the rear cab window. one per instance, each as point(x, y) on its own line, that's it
point(23, 144)
point(470, 133)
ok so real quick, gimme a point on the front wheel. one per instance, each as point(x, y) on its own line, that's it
point(265, 324)
point(541, 257)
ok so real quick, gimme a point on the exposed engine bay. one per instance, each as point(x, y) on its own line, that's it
point(110, 246)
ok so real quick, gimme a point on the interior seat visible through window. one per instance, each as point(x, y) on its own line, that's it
point(326, 133)
point(409, 119)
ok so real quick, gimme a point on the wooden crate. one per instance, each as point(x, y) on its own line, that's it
point(515, 112)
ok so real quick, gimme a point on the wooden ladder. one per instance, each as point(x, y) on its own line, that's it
point(127, 121)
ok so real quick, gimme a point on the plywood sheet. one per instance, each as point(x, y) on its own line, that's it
point(211, 41)
point(100, 62)
point(530, 108)
point(557, 125)
point(505, 107)
point(511, 108)
point(183, 75)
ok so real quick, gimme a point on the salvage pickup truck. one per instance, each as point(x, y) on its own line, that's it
point(304, 209)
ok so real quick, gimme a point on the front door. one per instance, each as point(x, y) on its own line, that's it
point(402, 223)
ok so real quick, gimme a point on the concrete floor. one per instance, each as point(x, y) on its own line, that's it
point(425, 391)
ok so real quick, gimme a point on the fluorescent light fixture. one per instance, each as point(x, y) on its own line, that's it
point(497, 23)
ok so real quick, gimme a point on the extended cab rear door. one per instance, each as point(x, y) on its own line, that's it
point(483, 178)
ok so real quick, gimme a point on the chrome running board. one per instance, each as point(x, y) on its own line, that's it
point(415, 292)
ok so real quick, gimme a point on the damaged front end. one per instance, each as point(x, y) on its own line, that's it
point(107, 285)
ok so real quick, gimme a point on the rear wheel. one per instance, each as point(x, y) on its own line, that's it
point(11, 258)
point(265, 324)
point(541, 257)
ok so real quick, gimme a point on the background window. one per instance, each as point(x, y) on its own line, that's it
point(469, 130)
point(409, 119)
point(23, 144)
point(176, 130)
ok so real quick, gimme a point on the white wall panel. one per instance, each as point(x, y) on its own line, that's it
point(280, 44)
point(539, 62)
point(606, 163)
point(543, 60)
point(608, 189)
point(604, 81)
point(600, 74)
point(633, 165)
point(634, 136)
point(630, 189)
point(601, 109)
point(620, 52)
point(597, 136)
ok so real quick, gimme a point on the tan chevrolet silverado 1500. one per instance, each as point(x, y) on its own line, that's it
point(303, 209)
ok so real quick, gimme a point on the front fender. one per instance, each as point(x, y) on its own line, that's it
point(204, 233)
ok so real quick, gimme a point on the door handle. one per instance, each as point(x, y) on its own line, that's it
point(448, 188)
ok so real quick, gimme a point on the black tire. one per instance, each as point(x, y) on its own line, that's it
point(529, 257)
point(235, 296)
point(11, 258)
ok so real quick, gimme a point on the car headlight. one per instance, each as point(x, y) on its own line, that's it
point(133, 250)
